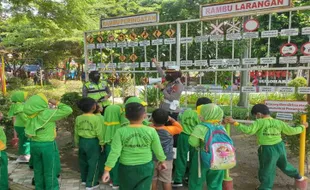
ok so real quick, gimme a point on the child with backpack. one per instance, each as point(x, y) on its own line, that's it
point(88, 137)
point(4, 179)
point(271, 152)
point(189, 120)
point(133, 146)
point(166, 133)
point(215, 149)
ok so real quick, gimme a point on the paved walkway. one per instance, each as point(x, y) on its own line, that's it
point(21, 175)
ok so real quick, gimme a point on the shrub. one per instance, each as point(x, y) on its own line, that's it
point(298, 82)
point(153, 96)
point(70, 99)
point(5, 104)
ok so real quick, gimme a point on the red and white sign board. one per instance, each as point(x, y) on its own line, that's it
point(288, 49)
point(238, 7)
point(251, 25)
point(305, 48)
point(286, 106)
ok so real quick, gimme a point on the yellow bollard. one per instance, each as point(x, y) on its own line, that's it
point(302, 146)
point(302, 185)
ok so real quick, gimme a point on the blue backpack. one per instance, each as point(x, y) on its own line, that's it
point(219, 152)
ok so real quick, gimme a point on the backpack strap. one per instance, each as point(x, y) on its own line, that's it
point(211, 133)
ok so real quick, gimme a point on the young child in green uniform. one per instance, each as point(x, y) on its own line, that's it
point(41, 129)
point(209, 113)
point(189, 120)
point(88, 137)
point(166, 133)
point(134, 144)
point(19, 119)
point(4, 180)
point(272, 152)
point(134, 99)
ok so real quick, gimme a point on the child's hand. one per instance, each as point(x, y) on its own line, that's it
point(305, 124)
point(229, 120)
point(106, 177)
point(154, 60)
point(102, 148)
point(171, 119)
point(162, 166)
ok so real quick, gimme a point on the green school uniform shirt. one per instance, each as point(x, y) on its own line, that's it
point(269, 130)
point(41, 125)
point(88, 126)
point(189, 119)
point(134, 145)
point(16, 109)
point(2, 139)
point(113, 120)
point(197, 137)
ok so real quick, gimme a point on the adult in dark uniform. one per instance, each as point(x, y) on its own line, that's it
point(97, 89)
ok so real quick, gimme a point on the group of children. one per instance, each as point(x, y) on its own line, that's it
point(119, 145)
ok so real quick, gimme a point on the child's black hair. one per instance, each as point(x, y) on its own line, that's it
point(126, 98)
point(260, 108)
point(86, 104)
point(202, 101)
point(134, 111)
point(160, 116)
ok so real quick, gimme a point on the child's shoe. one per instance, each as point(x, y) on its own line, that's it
point(115, 187)
point(23, 159)
point(83, 183)
point(299, 178)
point(174, 184)
point(93, 188)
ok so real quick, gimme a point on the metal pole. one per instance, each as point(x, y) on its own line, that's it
point(86, 57)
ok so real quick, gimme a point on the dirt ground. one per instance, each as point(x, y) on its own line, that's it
point(244, 175)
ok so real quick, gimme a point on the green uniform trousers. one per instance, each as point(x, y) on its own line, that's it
point(138, 177)
point(102, 160)
point(4, 180)
point(89, 152)
point(46, 165)
point(271, 157)
point(180, 164)
point(214, 178)
point(114, 172)
point(23, 142)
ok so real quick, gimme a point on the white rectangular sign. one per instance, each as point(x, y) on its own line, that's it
point(121, 44)
point(249, 61)
point(161, 64)
point(200, 88)
point(305, 31)
point(214, 38)
point(216, 61)
point(268, 60)
point(270, 34)
point(289, 32)
point(250, 89)
point(249, 35)
point(111, 45)
point(101, 46)
point(92, 67)
point(145, 64)
point(170, 41)
point(303, 90)
point(286, 106)
point(234, 36)
point(238, 7)
point(170, 63)
point(122, 65)
point(91, 46)
point(215, 89)
point(186, 40)
point(157, 42)
point(304, 59)
point(145, 43)
point(286, 89)
point(266, 89)
point(133, 44)
point(133, 65)
point(201, 62)
point(201, 39)
point(129, 20)
point(112, 65)
point(285, 116)
point(288, 60)
point(186, 63)
point(232, 61)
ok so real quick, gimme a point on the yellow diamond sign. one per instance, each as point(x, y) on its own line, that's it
point(133, 36)
point(122, 58)
point(170, 32)
point(111, 37)
point(121, 37)
point(90, 39)
point(133, 57)
point(144, 34)
point(157, 34)
point(100, 39)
